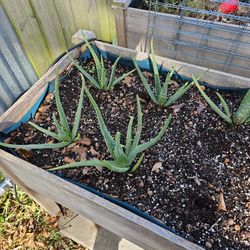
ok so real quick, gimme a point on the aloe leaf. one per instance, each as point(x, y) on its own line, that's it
point(247, 121)
point(105, 132)
point(122, 77)
point(212, 104)
point(155, 69)
point(138, 163)
point(243, 113)
point(92, 51)
point(45, 131)
point(178, 94)
point(63, 119)
point(224, 104)
point(112, 76)
point(102, 79)
point(78, 111)
point(145, 82)
point(129, 135)
point(164, 90)
point(111, 165)
point(58, 126)
point(146, 145)
point(137, 137)
point(35, 146)
point(118, 154)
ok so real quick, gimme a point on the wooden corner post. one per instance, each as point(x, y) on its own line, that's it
point(120, 7)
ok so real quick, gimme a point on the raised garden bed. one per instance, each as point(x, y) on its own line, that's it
point(179, 183)
point(216, 45)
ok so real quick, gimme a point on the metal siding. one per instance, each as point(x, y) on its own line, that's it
point(16, 72)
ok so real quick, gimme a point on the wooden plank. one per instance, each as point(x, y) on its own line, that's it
point(49, 205)
point(46, 14)
point(102, 10)
point(80, 13)
point(120, 7)
point(194, 35)
point(92, 14)
point(27, 101)
point(29, 32)
point(102, 212)
point(66, 18)
point(111, 23)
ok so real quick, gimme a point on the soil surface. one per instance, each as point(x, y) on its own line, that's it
point(183, 180)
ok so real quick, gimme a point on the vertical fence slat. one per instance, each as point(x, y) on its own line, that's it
point(29, 32)
point(111, 24)
point(66, 18)
point(103, 17)
point(80, 13)
point(46, 14)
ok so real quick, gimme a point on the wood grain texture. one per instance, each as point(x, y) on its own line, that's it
point(102, 212)
point(218, 42)
point(29, 32)
point(66, 18)
point(46, 14)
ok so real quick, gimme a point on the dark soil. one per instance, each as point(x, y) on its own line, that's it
point(199, 159)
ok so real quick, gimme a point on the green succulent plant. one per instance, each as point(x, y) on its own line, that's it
point(65, 134)
point(159, 94)
point(103, 82)
point(123, 155)
point(226, 115)
point(243, 113)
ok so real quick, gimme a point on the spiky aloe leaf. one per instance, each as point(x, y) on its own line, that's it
point(111, 165)
point(112, 76)
point(35, 146)
point(138, 163)
point(45, 131)
point(140, 148)
point(212, 104)
point(145, 82)
point(243, 113)
point(78, 111)
point(105, 132)
point(119, 155)
point(224, 104)
point(84, 72)
point(137, 137)
point(155, 69)
point(63, 119)
point(122, 77)
point(178, 94)
point(92, 51)
point(60, 131)
point(129, 135)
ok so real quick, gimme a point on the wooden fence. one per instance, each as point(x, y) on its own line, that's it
point(45, 27)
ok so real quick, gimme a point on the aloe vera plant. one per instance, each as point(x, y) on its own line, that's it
point(159, 94)
point(243, 113)
point(226, 115)
point(123, 155)
point(102, 81)
point(65, 134)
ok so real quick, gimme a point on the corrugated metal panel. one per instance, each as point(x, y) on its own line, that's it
point(16, 72)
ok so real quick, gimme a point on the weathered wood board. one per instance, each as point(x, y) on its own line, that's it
point(102, 212)
point(197, 42)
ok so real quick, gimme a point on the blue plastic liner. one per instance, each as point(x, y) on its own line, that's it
point(145, 65)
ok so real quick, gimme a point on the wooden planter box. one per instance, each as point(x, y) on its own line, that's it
point(46, 187)
point(232, 55)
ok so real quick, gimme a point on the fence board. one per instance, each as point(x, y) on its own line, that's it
point(66, 18)
point(29, 33)
point(46, 14)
